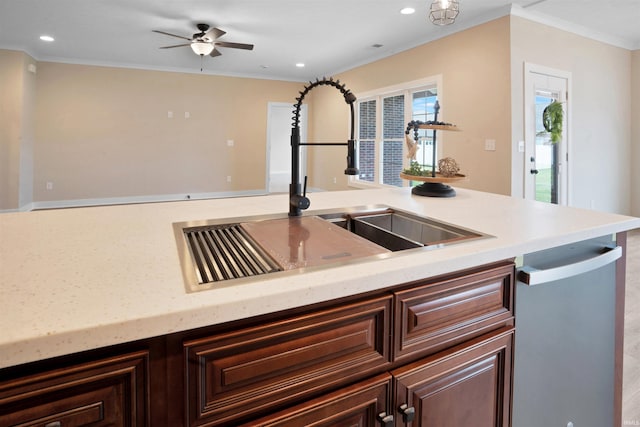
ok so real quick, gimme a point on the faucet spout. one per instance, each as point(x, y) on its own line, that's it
point(298, 200)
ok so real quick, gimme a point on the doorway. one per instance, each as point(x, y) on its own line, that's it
point(546, 177)
point(279, 121)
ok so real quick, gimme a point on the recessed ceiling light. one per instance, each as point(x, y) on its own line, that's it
point(47, 38)
point(300, 65)
point(407, 11)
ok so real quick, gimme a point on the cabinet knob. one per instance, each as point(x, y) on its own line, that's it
point(534, 171)
point(408, 413)
point(385, 419)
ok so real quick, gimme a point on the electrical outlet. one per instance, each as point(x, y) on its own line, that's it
point(228, 178)
point(169, 114)
point(49, 185)
point(490, 144)
point(187, 114)
point(230, 142)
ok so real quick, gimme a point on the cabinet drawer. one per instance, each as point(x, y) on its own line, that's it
point(358, 405)
point(437, 315)
point(237, 375)
point(109, 392)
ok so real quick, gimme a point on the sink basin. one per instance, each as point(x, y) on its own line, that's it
point(397, 230)
point(231, 250)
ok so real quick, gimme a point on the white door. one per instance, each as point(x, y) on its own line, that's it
point(546, 163)
point(279, 122)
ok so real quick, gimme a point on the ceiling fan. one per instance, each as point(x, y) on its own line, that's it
point(206, 41)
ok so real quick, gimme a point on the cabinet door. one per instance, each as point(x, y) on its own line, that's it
point(108, 392)
point(246, 373)
point(468, 385)
point(436, 315)
point(362, 404)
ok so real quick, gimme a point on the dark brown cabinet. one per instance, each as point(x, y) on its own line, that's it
point(106, 392)
point(463, 386)
point(434, 315)
point(235, 375)
point(469, 384)
point(432, 353)
point(362, 404)
point(443, 343)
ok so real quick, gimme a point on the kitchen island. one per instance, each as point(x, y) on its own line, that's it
point(74, 280)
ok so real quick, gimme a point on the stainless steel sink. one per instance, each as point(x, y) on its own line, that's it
point(222, 252)
point(397, 230)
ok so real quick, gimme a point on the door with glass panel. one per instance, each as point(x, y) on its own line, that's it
point(546, 136)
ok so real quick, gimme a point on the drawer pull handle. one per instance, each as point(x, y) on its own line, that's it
point(533, 276)
point(408, 413)
point(54, 424)
point(385, 420)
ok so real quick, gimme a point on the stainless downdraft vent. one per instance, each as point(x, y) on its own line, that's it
point(226, 252)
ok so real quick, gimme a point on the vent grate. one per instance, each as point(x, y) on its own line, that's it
point(226, 252)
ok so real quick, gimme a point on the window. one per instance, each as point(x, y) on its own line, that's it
point(382, 121)
point(423, 103)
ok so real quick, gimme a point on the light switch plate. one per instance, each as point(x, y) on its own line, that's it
point(490, 144)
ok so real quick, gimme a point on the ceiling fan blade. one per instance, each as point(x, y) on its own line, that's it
point(172, 35)
point(215, 52)
point(175, 45)
point(214, 33)
point(234, 45)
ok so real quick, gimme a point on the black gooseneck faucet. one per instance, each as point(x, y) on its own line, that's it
point(298, 200)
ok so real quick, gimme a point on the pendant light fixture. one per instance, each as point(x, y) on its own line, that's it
point(444, 12)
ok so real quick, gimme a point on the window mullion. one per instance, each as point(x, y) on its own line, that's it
point(383, 141)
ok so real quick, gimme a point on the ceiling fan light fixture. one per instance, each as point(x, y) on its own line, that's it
point(444, 12)
point(202, 48)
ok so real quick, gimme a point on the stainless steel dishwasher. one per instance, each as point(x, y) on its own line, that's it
point(564, 361)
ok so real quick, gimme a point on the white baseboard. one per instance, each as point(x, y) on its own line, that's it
point(26, 208)
point(61, 204)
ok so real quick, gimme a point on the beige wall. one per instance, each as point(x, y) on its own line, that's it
point(17, 87)
point(474, 65)
point(600, 131)
point(329, 121)
point(10, 119)
point(635, 133)
point(105, 133)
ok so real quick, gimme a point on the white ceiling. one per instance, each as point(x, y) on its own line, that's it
point(329, 36)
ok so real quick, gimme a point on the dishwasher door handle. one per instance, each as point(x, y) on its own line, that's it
point(533, 276)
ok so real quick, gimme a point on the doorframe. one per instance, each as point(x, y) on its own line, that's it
point(529, 101)
point(303, 137)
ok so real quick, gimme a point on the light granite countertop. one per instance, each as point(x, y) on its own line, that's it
point(77, 279)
